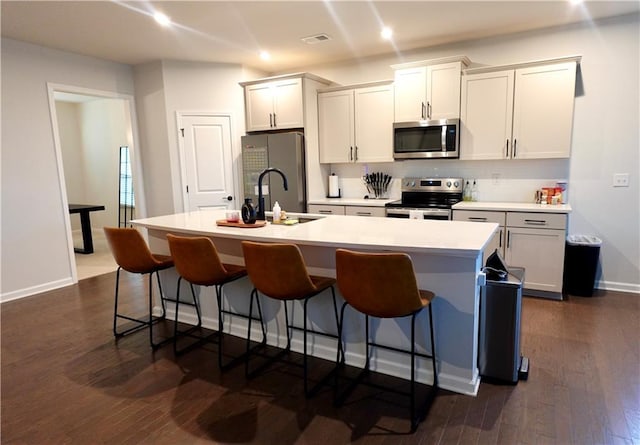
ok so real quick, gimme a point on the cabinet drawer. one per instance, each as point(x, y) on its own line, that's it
point(537, 220)
point(322, 209)
point(479, 216)
point(364, 211)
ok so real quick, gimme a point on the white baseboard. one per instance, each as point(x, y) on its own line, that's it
point(618, 287)
point(29, 291)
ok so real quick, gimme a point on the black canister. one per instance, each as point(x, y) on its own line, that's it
point(248, 212)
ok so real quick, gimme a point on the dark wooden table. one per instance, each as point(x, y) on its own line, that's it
point(84, 210)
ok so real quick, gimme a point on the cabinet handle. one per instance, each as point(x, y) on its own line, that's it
point(274, 120)
point(477, 218)
point(270, 120)
point(536, 222)
point(325, 212)
point(500, 239)
point(428, 110)
point(515, 141)
point(356, 157)
point(363, 213)
point(507, 155)
point(508, 238)
point(423, 111)
point(351, 153)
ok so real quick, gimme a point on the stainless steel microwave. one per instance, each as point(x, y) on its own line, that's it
point(426, 139)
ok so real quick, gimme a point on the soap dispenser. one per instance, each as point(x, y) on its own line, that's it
point(474, 191)
point(466, 194)
point(276, 212)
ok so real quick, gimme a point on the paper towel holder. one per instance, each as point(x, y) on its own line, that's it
point(329, 195)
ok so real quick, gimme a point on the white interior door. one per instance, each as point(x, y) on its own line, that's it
point(208, 161)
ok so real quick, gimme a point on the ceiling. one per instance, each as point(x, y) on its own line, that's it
point(236, 31)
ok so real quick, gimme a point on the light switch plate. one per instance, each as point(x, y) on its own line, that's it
point(621, 179)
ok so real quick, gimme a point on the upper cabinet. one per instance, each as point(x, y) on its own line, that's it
point(277, 103)
point(428, 90)
point(521, 111)
point(356, 124)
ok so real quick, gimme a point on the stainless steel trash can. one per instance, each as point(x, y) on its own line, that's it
point(499, 355)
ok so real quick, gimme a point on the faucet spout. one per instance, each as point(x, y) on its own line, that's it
point(260, 210)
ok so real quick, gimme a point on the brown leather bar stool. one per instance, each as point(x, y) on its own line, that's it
point(197, 262)
point(384, 285)
point(278, 271)
point(132, 254)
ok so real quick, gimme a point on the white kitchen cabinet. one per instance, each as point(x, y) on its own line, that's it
point(356, 124)
point(534, 241)
point(519, 111)
point(365, 211)
point(274, 105)
point(325, 209)
point(428, 90)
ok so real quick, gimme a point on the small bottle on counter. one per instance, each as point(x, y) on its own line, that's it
point(474, 191)
point(466, 194)
point(276, 212)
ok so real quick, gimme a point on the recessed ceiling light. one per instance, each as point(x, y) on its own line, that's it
point(162, 19)
point(386, 33)
point(575, 2)
point(264, 55)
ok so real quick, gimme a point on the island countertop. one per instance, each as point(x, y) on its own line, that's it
point(457, 238)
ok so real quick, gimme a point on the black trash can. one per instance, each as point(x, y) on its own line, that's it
point(499, 357)
point(581, 256)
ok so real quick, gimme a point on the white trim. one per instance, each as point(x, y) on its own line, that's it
point(29, 291)
point(138, 182)
point(618, 286)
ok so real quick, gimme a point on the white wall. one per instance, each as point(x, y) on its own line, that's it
point(35, 248)
point(606, 139)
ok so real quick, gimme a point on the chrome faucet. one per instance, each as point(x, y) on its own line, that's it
point(260, 209)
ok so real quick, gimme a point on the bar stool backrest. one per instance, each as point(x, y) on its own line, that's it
point(130, 250)
point(196, 259)
point(378, 284)
point(277, 270)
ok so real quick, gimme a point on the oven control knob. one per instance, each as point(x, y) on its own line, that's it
point(456, 184)
point(448, 184)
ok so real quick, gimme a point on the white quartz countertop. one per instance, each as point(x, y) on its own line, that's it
point(513, 207)
point(450, 238)
point(351, 202)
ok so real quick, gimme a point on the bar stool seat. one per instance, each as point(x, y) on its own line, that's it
point(384, 285)
point(132, 254)
point(278, 271)
point(197, 262)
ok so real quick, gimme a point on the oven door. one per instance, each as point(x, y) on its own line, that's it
point(439, 214)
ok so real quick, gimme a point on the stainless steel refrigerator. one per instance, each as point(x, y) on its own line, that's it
point(284, 151)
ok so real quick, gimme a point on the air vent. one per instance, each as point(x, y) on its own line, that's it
point(312, 40)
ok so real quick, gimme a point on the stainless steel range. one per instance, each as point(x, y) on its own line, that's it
point(433, 197)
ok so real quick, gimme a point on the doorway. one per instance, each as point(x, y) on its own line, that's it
point(94, 137)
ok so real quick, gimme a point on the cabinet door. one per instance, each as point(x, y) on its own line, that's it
point(541, 253)
point(497, 242)
point(443, 91)
point(259, 107)
point(543, 111)
point(374, 124)
point(323, 209)
point(288, 109)
point(486, 115)
point(336, 126)
point(364, 211)
point(410, 94)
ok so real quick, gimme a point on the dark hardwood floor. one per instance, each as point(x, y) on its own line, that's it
point(65, 380)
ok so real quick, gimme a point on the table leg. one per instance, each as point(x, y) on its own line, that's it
point(87, 238)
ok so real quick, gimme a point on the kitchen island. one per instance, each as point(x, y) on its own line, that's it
point(447, 258)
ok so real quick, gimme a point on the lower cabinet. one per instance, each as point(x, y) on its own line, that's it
point(329, 209)
point(534, 241)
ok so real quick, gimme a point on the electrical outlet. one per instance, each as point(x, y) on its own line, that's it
point(495, 178)
point(621, 179)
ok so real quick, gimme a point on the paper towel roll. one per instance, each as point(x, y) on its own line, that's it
point(334, 187)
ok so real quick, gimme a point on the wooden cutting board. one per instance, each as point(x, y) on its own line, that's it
point(225, 223)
